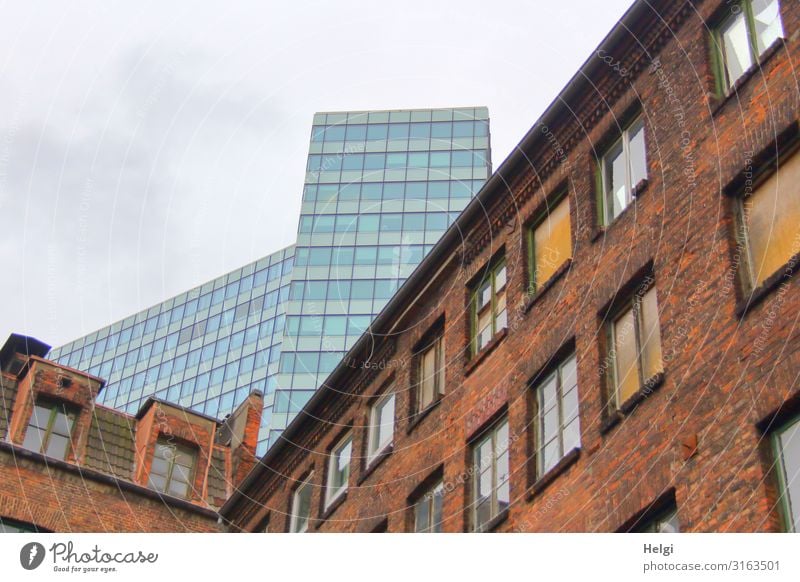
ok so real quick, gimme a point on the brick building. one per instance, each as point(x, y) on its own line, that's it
point(68, 464)
point(607, 339)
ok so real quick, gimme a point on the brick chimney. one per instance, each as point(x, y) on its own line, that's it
point(240, 431)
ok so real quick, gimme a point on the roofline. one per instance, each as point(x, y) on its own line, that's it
point(153, 399)
point(401, 109)
point(55, 364)
point(33, 346)
point(187, 292)
point(440, 249)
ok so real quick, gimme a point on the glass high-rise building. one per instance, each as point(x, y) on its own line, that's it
point(205, 349)
point(380, 189)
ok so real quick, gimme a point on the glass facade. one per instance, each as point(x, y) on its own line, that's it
point(205, 349)
point(381, 188)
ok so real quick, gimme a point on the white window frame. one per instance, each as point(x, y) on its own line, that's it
point(607, 194)
point(490, 435)
point(374, 447)
point(498, 314)
point(564, 418)
point(332, 495)
point(634, 305)
point(428, 498)
point(294, 527)
point(725, 82)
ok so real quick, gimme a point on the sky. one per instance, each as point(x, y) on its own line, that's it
point(147, 147)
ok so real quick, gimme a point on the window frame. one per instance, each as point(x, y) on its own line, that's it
point(742, 234)
point(539, 420)
point(428, 497)
point(375, 448)
point(168, 478)
point(562, 197)
point(55, 407)
point(656, 520)
point(623, 137)
point(634, 304)
point(306, 483)
point(497, 265)
point(331, 495)
point(724, 85)
point(491, 435)
point(784, 502)
point(9, 526)
point(435, 344)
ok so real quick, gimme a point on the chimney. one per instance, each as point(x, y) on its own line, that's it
point(240, 432)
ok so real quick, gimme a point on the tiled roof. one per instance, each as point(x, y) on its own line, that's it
point(111, 447)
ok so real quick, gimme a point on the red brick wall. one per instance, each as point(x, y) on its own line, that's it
point(62, 501)
point(716, 386)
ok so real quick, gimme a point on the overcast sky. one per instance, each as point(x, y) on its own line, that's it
point(147, 147)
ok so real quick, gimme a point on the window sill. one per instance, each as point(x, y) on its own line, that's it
point(611, 420)
point(422, 415)
point(718, 102)
point(485, 351)
point(532, 299)
point(638, 190)
point(375, 461)
point(331, 508)
point(758, 294)
point(558, 469)
point(614, 417)
point(493, 523)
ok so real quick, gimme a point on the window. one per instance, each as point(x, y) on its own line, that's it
point(13, 526)
point(431, 374)
point(665, 521)
point(50, 430)
point(622, 169)
point(428, 510)
point(786, 444)
point(489, 307)
point(635, 340)
point(558, 428)
point(381, 425)
point(491, 493)
point(301, 506)
point(172, 470)
point(339, 470)
point(741, 39)
point(550, 244)
point(770, 222)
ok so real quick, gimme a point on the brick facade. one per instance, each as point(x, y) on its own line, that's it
point(102, 482)
point(698, 433)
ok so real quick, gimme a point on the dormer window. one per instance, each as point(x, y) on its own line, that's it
point(172, 471)
point(50, 429)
